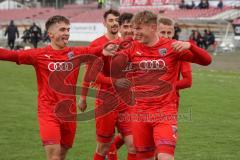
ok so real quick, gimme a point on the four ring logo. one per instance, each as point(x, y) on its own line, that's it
point(152, 64)
point(60, 66)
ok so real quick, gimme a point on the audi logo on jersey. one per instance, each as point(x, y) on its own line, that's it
point(60, 66)
point(152, 64)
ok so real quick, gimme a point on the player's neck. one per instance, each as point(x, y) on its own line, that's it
point(154, 40)
point(111, 36)
point(56, 47)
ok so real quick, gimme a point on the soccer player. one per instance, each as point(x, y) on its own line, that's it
point(124, 126)
point(105, 125)
point(166, 30)
point(156, 67)
point(112, 26)
point(52, 64)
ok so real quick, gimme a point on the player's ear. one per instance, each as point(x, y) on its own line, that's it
point(50, 34)
point(154, 27)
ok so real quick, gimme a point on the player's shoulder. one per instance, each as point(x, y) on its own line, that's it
point(99, 41)
point(34, 51)
point(117, 41)
point(166, 41)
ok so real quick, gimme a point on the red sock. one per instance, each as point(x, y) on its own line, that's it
point(118, 141)
point(112, 154)
point(132, 156)
point(98, 157)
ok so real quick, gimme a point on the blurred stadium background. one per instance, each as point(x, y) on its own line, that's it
point(86, 18)
point(209, 112)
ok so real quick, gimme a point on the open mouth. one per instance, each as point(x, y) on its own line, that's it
point(65, 39)
point(129, 34)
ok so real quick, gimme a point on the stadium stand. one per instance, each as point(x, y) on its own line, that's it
point(198, 19)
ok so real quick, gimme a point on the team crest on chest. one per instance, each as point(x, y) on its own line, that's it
point(70, 55)
point(162, 51)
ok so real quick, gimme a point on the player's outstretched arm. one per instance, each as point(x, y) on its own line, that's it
point(7, 55)
point(20, 57)
point(98, 51)
point(196, 54)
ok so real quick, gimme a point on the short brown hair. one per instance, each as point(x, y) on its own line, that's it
point(144, 17)
point(111, 11)
point(125, 17)
point(166, 21)
point(56, 19)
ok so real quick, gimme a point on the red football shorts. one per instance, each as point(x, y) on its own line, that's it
point(55, 131)
point(105, 125)
point(155, 134)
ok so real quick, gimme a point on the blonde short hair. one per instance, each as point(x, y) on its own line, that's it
point(165, 20)
point(144, 17)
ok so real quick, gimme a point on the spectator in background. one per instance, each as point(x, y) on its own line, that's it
point(36, 34)
point(11, 32)
point(190, 6)
point(182, 5)
point(220, 4)
point(205, 39)
point(196, 38)
point(46, 38)
point(177, 31)
point(208, 38)
point(211, 38)
point(26, 35)
point(100, 4)
point(204, 4)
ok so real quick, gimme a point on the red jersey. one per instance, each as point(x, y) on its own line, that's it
point(157, 72)
point(102, 41)
point(186, 71)
point(101, 79)
point(106, 60)
point(105, 71)
point(51, 67)
point(184, 67)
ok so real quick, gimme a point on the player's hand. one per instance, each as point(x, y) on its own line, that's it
point(122, 83)
point(82, 105)
point(110, 49)
point(180, 46)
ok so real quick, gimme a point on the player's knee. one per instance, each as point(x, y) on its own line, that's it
point(55, 157)
point(53, 152)
point(103, 148)
point(165, 156)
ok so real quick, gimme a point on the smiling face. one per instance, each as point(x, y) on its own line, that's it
point(126, 30)
point(165, 31)
point(59, 35)
point(145, 27)
point(144, 33)
point(111, 23)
